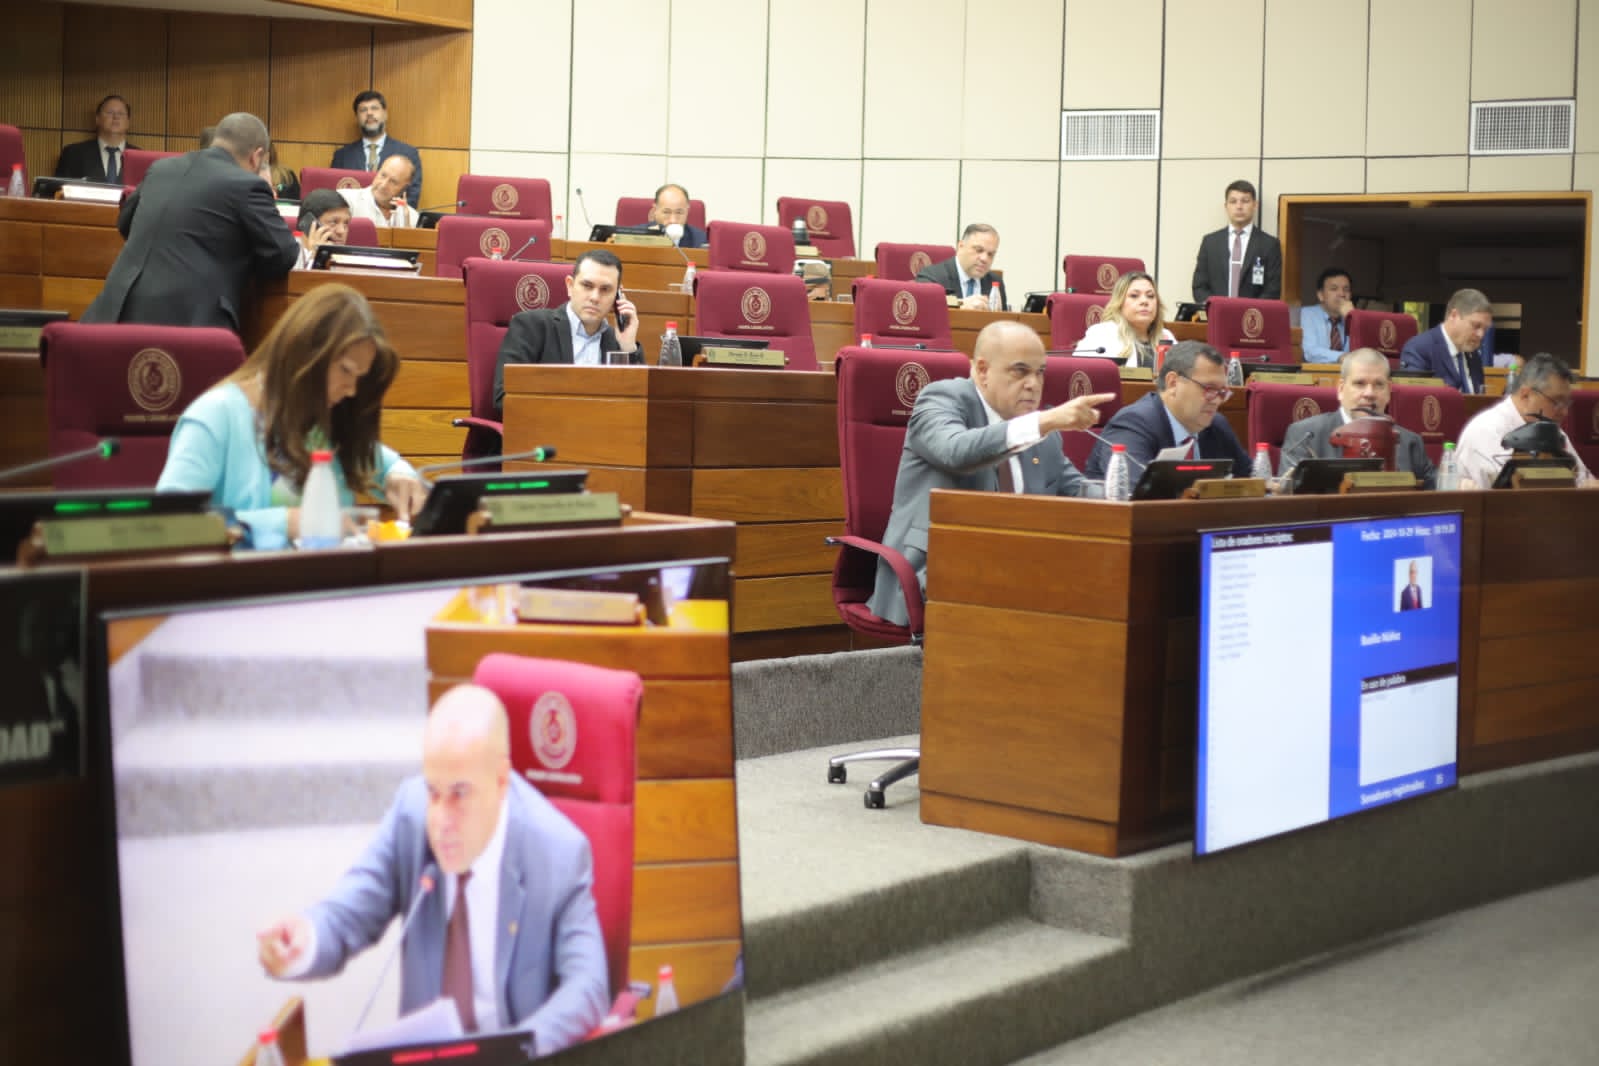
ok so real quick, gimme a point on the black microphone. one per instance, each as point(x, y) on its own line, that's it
point(425, 885)
point(105, 449)
point(524, 247)
point(585, 208)
point(441, 207)
point(538, 455)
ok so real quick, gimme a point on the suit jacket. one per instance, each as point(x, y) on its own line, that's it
point(197, 229)
point(549, 956)
point(949, 444)
point(1429, 351)
point(1145, 429)
point(1311, 438)
point(1410, 599)
point(82, 160)
point(948, 274)
point(353, 157)
point(1215, 252)
point(544, 335)
point(694, 237)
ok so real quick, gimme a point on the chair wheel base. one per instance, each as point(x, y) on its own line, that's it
point(874, 799)
point(837, 775)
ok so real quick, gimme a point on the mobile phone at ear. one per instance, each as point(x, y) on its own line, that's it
point(621, 319)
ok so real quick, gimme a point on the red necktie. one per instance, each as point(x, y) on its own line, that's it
point(1190, 442)
point(1007, 480)
point(458, 958)
point(1335, 338)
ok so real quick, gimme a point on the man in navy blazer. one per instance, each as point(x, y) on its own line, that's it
point(1193, 388)
point(375, 145)
point(1451, 350)
point(671, 209)
point(88, 159)
point(481, 858)
point(1411, 599)
point(967, 276)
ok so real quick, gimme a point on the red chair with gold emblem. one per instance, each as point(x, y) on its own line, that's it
point(746, 246)
point(635, 211)
point(827, 222)
point(756, 306)
point(1096, 273)
point(464, 236)
point(1067, 377)
point(1070, 315)
point(335, 178)
point(1274, 406)
point(1436, 412)
point(902, 262)
point(904, 313)
point(130, 382)
point(1386, 331)
point(525, 198)
point(1258, 330)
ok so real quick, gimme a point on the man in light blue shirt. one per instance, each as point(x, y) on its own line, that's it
point(1324, 326)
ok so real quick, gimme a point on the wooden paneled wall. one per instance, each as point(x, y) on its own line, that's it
point(181, 71)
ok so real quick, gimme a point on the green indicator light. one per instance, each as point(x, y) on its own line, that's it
point(129, 505)
point(76, 507)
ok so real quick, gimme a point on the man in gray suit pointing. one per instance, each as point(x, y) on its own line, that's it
point(506, 860)
point(984, 432)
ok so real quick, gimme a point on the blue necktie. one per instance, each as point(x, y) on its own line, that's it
point(971, 286)
point(112, 171)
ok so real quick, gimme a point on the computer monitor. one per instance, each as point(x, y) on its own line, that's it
point(1165, 479)
point(19, 511)
point(1315, 477)
point(453, 499)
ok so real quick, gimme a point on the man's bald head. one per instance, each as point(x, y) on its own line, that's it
point(1008, 367)
point(469, 715)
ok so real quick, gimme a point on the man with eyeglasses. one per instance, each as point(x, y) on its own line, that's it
point(1543, 392)
point(984, 433)
point(1193, 386)
point(100, 157)
point(1363, 389)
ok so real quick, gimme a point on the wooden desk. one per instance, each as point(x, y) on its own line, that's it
point(1090, 744)
point(757, 447)
point(55, 255)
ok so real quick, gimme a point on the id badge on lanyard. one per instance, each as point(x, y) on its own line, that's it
point(1257, 275)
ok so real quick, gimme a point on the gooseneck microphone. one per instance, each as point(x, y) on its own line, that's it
point(441, 207)
point(525, 247)
point(425, 885)
point(585, 207)
point(537, 455)
point(105, 449)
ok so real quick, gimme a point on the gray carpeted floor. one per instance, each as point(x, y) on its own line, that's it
point(1509, 982)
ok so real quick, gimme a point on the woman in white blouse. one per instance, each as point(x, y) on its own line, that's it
point(1134, 323)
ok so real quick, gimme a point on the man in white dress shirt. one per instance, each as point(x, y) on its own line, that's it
point(1543, 391)
point(384, 200)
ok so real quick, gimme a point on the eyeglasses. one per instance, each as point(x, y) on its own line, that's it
point(114, 114)
point(1212, 392)
point(1563, 404)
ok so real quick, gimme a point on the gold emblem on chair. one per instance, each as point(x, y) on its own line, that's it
point(492, 241)
point(904, 307)
point(1094, 313)
point(1081, 385)
point(920, 261)
point(154, 380)
point(348, 182)
point(1254, 323)
point(816, 219)
point(1305, 407)
point(504, 197)
point(552, 727)
point(1432, 412)
point(909, 381)
point(1106, 276)
point(532, 292)
point(1387, 335)
point(756, 305)
point(754, 247)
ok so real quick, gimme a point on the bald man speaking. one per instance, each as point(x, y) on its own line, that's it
point(506, 924)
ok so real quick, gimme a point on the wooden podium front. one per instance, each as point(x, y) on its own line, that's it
point(756, 447)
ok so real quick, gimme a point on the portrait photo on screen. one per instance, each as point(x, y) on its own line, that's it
point(1413, 583)
point(296, 779)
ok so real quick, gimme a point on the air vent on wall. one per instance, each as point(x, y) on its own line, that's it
point(1110, 135)
point(1522, 127)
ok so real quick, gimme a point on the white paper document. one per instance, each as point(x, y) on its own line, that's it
point(433, 1024)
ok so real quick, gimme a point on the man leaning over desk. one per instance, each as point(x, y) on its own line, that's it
point(967, 277)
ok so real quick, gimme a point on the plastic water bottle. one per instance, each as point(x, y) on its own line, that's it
point(1262, 465)
point(671, 349)
point(1449, 469)
point(1512, 377)
point(1116, 482)
point(267, 1052)
point(1235, 371)
point(689, 274)
point(994, 303)
point(19, 184)
point(321, 517)
point(801, 237)
point(866, 340)
point(665, 992)
point(558, 233)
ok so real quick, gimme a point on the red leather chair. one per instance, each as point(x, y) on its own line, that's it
point(462, 236)
point(496, 290)
point(527, 198)
point(130, 382)
point(1067, 377)
point(363, 232)
point(635, 211)
point(1582, 426)
point(902, 312)
point(876, 391)
point(1070, 315)
point(12, 152)
point(314, 178)
point(902, 262)
point(136, 163)
point(573, 730)
point(1385, 331)
point(1273, 407)
point(745, 246)
point(1258, 330)
point(769, 307)
point(828, 222)
point(1096, 273)
point(1437, 413)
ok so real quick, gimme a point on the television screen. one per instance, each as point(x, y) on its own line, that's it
point(1328, 672)
point(294, 777)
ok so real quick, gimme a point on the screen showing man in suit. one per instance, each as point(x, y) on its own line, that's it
point(1413, 595)
point(968, 277)
point(1240, 259)
point(100, 157)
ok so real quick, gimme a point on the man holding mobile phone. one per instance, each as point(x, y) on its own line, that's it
point(576, 332)
point(324, 219)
